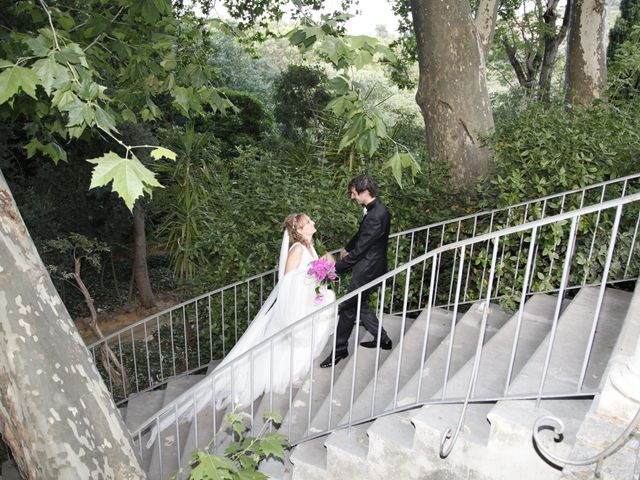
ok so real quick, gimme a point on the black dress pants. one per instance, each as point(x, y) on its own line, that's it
point(347, 319)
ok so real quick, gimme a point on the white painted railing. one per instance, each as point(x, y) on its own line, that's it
point(187, 337)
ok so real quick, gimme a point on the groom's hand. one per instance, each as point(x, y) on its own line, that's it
point(343, 254)
point(329, 258)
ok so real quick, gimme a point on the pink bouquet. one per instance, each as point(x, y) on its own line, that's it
point(324, 273)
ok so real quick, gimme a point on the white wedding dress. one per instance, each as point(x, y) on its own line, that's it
point(274, 365)
point(263, 359)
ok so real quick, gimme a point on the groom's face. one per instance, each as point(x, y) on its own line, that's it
point(359, 198)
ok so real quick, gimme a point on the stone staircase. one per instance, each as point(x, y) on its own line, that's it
point(495, 441)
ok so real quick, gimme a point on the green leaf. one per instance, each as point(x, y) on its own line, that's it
point(150, 11)
point(360, 41)
point(14, 79)
point(251, 475)
point(105, 120)
point(39, 45)
point(129, 176)
point(272, 444)
point(66, 54)
point(297, 37)
point(129, 116)
point(339, 84)
point(212, 468)
point(161, 152)
point(52, 150)
point(62, 98)
point(395, 164)
point(50, 73)
point(182, 98)
point(80, 113)
point(274, 417)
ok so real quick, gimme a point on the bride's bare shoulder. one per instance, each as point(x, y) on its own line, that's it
point(294, 258)
point(296, 246)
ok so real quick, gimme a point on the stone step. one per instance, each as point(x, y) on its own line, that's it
point(571, 342)
point(612, 411)
point(380, 393)
point(512, 421)
point(139, 409)
point(173, 439)
point(309, 461)
point(276, 469)
point(462, 346)
point(362, 370)
point(347, 453)
point(312, 393)
point(493, 369)
point(392, 436)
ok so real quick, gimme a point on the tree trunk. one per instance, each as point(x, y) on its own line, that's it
point(551, 43)
point(452, 90)
point(56, 414)
point(586, 73)
point(140, 270)
point(486, 18)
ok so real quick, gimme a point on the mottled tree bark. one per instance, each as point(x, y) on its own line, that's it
point(586, 73)
point(140, 271)
point(486, 18)
point(56, 414)
point(452, 90)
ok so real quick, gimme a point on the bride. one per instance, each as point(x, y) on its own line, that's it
point(263, 359)
point(274, 365)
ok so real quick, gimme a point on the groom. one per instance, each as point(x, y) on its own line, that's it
point(366, 256)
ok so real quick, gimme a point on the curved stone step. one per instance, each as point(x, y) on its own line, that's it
point(164, 465)
point(512, 421)
point(312, 393)
point(493, 369)
point(377, 395)
point(357, 374)
point(462, 346)
point(310, 461)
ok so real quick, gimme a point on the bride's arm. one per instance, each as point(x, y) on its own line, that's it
point(294, 258)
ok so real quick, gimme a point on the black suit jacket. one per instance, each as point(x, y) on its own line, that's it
point(368, 248)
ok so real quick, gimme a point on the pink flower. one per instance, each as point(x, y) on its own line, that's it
point(323, 272)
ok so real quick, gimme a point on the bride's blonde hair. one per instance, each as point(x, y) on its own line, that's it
point(292, 223)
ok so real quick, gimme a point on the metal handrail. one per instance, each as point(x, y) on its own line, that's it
point(558, 428)
point(114, 335)
point(437, 258)
point(139, 350)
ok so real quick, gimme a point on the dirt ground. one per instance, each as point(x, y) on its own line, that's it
point(110, 322)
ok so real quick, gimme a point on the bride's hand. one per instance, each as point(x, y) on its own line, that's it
point(329, 258)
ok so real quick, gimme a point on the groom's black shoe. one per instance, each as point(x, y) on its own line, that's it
point(328, 362)
point(385, 344)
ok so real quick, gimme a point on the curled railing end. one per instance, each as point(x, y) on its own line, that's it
point(598, 458)
point(446, 443)
point(545, 423)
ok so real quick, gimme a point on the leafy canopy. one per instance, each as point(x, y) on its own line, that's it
point(78, 67)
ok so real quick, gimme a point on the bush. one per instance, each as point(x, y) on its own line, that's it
point(250, 124)
point(543, 150)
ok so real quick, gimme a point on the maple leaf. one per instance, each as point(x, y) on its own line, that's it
point(131, 179)
point(14, 79)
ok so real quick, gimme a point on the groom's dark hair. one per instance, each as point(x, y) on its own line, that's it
point(362, 183)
